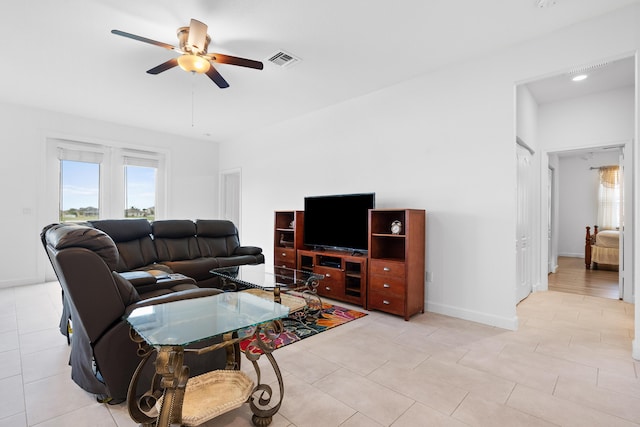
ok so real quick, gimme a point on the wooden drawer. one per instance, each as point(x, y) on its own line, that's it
point(332, 285)
point(387, 285)
point(284, 257)
point(386, 302)
point(387, 268)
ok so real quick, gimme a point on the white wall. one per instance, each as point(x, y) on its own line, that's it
point(444, 142)
point(192, 180)
point(578, 199)
point(597, 120)
point(526, 116)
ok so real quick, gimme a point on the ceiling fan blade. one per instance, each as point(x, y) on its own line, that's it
point(144, 39)
point(197, 36)
point(234, 60)
point(217, 78)
point(164, 66)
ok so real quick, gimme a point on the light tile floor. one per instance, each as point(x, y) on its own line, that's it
point(569, 364)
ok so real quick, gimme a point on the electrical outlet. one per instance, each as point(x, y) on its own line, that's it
point(429, 276)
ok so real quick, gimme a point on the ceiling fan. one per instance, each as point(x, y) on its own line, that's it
point(193, 44)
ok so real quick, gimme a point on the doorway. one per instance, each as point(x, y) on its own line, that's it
point(576, 197)
point(558, 118)
point(231, 196)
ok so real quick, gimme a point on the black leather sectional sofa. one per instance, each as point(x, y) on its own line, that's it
point(187, 247)
point(108, 268)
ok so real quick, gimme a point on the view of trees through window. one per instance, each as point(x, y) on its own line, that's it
point(140, 184)
point(79, 190)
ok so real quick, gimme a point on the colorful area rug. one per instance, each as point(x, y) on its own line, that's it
point(296, 329)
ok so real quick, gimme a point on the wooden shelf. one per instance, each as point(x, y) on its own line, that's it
point(397, 262)
point(287, 237)
point(390, 278)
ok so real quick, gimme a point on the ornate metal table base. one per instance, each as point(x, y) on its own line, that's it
point(168, 386)
point(306, 289)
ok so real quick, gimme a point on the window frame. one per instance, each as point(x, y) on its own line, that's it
point(113, 158)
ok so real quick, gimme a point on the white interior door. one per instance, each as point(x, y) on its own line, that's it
point(230, 196)
point(524, 254)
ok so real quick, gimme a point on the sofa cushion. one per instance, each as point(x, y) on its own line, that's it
point(133, 239)
point(197, 268)
point(175, 240)
point(217, 237)
point(67, 235)
point(215, 228)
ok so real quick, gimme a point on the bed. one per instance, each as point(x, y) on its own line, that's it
point(602, 248)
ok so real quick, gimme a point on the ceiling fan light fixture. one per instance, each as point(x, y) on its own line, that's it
point(193, 63)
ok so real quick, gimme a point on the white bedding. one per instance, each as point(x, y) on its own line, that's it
point(608, 239)
point(606, 249)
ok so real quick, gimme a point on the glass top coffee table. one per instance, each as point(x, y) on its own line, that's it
point(169, 327)
point(295, 289)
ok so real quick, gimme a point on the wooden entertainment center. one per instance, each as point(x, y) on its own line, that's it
point(390, 277)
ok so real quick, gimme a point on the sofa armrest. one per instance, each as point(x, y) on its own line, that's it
point(247, 250)
point(139, 278)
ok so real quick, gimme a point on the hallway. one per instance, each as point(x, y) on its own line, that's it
point(572, 277)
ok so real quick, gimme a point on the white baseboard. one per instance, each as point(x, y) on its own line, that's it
point(573, 255)
point(474, 316)
point(19, 282)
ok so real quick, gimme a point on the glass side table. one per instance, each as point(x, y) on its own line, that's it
point(168, 328)
point(270, 281)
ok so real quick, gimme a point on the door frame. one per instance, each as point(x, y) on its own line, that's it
point(627, 270)
point(552, 263)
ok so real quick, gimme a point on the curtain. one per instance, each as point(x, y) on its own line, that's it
point(609, 198)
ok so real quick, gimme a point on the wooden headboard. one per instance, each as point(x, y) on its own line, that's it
point(590, 239)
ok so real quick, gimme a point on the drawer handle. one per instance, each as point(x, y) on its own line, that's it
point(384, 301)
point(284, 254)
point(328, 275)
point(386, 269)
point(326, 288)
point(386, 285)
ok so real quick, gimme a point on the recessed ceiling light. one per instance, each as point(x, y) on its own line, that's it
point(579, 77)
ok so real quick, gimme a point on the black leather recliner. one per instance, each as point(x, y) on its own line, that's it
point(96, 297)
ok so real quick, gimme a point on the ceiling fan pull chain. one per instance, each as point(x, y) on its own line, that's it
point(192, 96)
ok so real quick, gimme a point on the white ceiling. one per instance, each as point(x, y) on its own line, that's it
point(600, 77)
point(60, 55)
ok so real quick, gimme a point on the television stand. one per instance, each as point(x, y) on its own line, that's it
point(345, 273)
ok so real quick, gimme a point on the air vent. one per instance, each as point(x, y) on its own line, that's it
point(283, 59)
point(588, 68)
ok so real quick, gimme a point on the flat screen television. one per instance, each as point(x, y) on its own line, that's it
point(338, 222)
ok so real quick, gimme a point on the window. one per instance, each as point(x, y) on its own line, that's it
point(140, 187)
point(609, 198)
point(79, 190)
point(89, 181)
